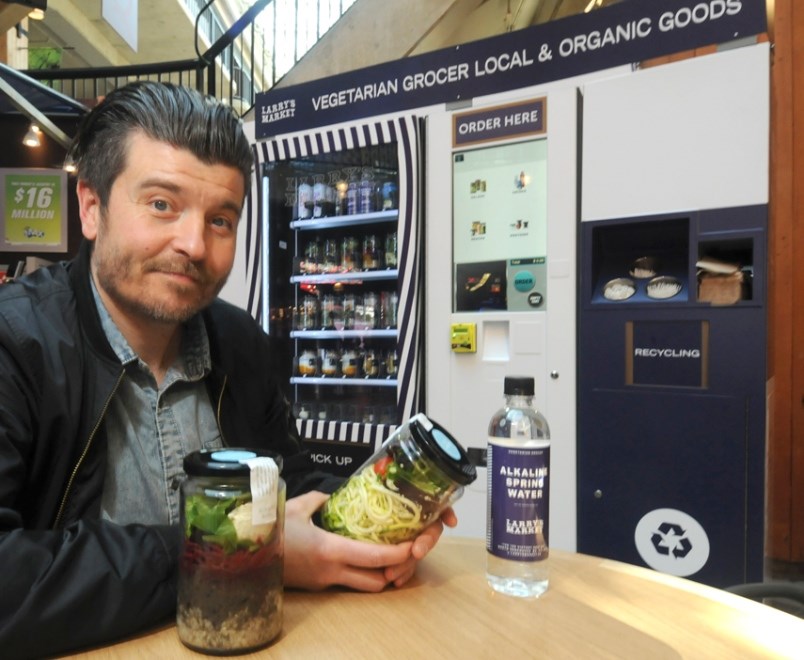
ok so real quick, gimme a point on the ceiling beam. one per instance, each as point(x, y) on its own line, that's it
point(11, 14)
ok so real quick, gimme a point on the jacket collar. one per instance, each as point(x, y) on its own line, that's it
point(85, 303)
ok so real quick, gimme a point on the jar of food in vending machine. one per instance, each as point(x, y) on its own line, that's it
point(372, 257)
point(301, 410)
point(337, 312)
point(389, 303)
point(390, 250)
point(308, 316)
point(350, 301)
point(351, 256)
point(328, 307)
point(308, 363)
point(332, 255)
point(371, 311)
point(330, 362)
point(371, 365)
point(391, 363)
point(349, 363)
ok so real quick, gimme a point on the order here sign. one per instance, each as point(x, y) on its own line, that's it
point(501, 122)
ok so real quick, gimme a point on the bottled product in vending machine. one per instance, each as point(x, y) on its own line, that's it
point(390, 196)
point(351, 256)
point(366, 191)
point(390, 250)
point(372, 257)
point(332, 196)
point(312, 256)
point(332, 256)
point(319, 197)
point(339, 196)
point(517, 513)
point(304, 200)
point(352, 193)
point(328, 310)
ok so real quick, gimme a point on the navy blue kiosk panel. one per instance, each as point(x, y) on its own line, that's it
point(671, 416)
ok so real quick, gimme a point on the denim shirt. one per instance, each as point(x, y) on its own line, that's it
point(151, 429)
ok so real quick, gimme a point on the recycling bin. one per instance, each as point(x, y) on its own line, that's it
point(671, 430)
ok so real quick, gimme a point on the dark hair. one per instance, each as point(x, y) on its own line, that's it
point(180, 116)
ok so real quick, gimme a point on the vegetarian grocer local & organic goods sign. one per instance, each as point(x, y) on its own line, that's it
point(624, 33)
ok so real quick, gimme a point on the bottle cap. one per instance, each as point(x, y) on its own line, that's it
point(441, 448)
point(521, 385)
point(225, 462)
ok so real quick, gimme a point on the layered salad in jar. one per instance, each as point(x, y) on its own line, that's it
point(230, 575)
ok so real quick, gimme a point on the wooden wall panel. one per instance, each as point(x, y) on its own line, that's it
point(785, 498)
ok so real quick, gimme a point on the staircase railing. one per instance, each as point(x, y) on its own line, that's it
point(243, 61)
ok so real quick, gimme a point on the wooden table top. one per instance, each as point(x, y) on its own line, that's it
point(595, 608)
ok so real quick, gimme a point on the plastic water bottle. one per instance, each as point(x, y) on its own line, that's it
point(518, 464)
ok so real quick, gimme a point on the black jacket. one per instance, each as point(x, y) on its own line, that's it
point(68, 578)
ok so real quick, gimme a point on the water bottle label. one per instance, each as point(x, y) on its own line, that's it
point(519, 501)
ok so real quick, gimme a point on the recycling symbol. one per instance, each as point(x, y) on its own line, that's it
point(669, 539)
point(672, 541)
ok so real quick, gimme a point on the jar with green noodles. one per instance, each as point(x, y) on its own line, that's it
point(418, 472)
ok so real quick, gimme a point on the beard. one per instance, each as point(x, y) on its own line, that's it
point(124, 281)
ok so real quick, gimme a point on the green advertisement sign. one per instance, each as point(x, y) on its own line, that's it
point(34, 210)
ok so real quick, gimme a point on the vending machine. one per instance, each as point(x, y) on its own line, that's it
point(501, 272)
point(341, 268)
point(382, 315)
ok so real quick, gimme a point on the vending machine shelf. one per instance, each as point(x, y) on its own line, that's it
point(344, 334)
point(355, 276)
point(343, 381)
point(334, 222)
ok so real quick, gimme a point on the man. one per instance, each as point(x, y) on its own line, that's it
point(117, 364)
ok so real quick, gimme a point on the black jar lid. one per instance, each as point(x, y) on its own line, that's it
point(444, 450)
point(225, 462)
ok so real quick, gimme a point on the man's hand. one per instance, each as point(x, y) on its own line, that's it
point(316, 559)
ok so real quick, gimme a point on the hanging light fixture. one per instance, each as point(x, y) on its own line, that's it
point(32, 138)
point(37, 14)
point(69, 165)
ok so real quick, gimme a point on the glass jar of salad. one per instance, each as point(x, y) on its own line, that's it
point(231, 563)
point(418, 472)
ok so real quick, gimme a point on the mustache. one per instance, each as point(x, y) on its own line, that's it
point(180, 267)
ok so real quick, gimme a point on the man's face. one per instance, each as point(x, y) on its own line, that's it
point(165, 244)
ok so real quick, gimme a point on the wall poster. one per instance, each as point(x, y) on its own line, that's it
point(500, 228)
point(34, 210)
